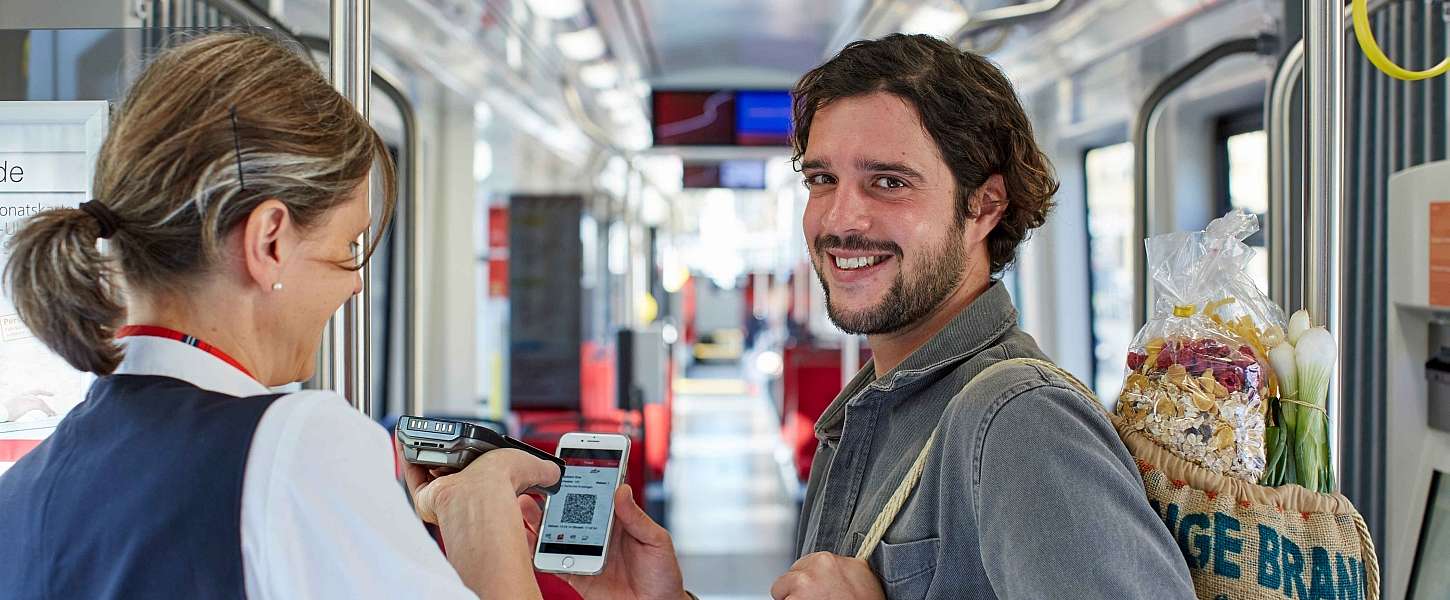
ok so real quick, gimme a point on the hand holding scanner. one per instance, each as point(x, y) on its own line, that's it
point(448, 444)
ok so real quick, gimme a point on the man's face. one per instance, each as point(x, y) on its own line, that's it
point(881, 220)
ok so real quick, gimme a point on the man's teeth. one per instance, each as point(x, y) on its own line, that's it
point(857, 263)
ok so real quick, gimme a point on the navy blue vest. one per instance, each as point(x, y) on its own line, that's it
point(137, 494)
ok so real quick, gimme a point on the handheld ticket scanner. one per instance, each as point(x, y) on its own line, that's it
point(1417, 386)
point(453, 444)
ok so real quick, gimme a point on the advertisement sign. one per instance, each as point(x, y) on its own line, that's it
point(47, 154)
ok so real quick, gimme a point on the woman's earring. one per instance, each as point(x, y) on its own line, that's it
point(277, 287)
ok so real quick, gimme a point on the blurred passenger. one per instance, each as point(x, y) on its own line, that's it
point(924, 179)
point(231, 190)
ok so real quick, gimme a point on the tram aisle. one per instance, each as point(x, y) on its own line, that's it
point(731, 515)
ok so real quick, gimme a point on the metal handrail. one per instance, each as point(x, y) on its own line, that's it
point(1277, 122)
point(1144, 140)
point(408, 213)
point(1281, 90)
point(1325, 233)
point(1003, 16)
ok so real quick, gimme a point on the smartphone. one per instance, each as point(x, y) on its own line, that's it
point(574, 535)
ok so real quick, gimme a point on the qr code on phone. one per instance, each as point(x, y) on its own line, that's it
point(579, 509)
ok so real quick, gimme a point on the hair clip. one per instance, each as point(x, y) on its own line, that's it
point(237, 140)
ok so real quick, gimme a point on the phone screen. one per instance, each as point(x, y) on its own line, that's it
point(578, 516)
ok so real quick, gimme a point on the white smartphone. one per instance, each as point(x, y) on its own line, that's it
point(574, 536)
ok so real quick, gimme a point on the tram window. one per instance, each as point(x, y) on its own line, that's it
point(1109, 184)
point(1429, 579)
point(1244, 181)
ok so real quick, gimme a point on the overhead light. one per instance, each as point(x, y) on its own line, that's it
point(615, 99)
point(581, 46)
point(556, 9)
point(934, 20)
point(599, 75)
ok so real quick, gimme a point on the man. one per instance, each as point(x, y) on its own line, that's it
point(924, 178)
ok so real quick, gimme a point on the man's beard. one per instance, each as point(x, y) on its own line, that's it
point(908, 301)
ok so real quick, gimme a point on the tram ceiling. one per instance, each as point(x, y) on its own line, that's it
point(740, 43)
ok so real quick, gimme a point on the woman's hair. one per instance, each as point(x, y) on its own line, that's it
point(212, 128)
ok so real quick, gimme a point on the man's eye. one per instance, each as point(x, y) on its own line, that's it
point(818, 179)
point(888, 182)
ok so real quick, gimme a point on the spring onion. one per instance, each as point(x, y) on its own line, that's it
point(1314, 355)
point(1278, 471)
point(1281, 359)
point(1298, 324)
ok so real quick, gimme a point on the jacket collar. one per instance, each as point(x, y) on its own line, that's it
point(147, 355)
point(974, 329)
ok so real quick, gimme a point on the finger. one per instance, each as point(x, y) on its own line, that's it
point(805, 562)
point(533, 515)
point(423, 501)
point(784, 586)
point(636, 522)
point(522, 469)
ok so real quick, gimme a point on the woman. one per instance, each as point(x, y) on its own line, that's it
point(230, 192)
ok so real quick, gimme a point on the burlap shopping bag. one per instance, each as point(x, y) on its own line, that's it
point(1244, 541)
point(1241, 541)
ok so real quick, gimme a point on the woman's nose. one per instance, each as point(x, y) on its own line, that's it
point(357, 283)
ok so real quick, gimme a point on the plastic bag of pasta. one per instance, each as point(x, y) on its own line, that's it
point(1198, 380)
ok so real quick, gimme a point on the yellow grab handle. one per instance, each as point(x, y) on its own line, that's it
point(1359, 13)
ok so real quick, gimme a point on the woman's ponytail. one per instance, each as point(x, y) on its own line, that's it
point(61, 285)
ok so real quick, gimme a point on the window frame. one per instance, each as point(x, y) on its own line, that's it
point(1092, 337)
point(1228, 125)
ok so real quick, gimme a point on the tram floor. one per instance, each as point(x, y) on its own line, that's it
point(731, 513)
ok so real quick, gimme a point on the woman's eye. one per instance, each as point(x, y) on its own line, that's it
point(354, 251)
point(889, 182)
point(818, 179)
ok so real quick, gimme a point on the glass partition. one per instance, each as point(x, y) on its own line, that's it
point(56, 91)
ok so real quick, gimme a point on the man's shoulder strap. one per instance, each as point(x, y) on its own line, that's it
point(908, 483)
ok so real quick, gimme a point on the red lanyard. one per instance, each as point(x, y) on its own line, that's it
point(172, 334)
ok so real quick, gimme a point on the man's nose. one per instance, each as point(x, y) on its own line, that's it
point(848, 212)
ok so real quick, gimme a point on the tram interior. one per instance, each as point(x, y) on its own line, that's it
point(599, 224)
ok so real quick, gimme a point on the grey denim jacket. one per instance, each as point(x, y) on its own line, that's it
point(1028, 493)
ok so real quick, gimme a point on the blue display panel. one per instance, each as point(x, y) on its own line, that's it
point(762, 118)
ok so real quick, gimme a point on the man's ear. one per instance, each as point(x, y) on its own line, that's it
point(265, 242)
point(988, 203)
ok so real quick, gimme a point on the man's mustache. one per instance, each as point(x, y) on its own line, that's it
point(855, 243)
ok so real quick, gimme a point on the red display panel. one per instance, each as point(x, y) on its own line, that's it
point(694, 118)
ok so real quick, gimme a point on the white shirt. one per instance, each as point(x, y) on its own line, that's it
point(322, 513)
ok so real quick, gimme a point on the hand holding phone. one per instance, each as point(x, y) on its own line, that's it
point(642, 562)
point(574, 534)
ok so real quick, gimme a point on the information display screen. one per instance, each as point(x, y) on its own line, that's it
point(47, 152)
point(721, 118)
point(762, 118)
point(694, 118)
point(734, 174)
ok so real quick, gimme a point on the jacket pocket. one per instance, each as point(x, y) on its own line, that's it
point(906, 569)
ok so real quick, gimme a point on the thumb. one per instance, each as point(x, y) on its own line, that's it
point(635, 521)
